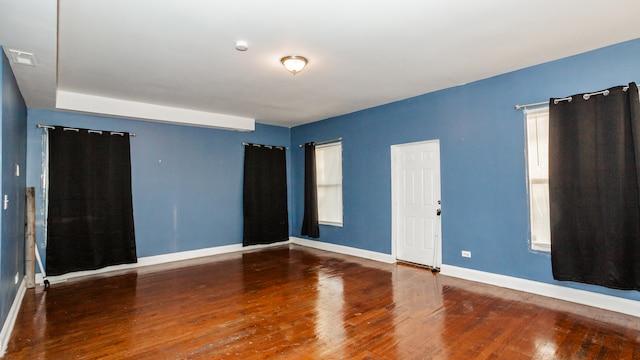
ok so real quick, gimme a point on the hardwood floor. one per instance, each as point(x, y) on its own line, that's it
point(299, 303)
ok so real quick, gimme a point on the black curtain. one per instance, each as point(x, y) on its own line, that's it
point(266, 219)
point(90, 222)
point(594, 158)
point(310, 220)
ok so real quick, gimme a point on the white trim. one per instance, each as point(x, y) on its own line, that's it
point(341, 249)
point(329, 223)
point(607, 302)
point(193, 254)
point(7, 328)
point(158, 259)
point(68, 100)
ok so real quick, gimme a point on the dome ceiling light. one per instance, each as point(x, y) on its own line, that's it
point(294, 64)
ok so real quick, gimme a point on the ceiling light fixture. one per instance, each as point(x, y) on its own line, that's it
point(294, 64)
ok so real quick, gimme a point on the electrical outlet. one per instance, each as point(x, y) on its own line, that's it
point(17, 170)
point(17, 278)
point(466, 253)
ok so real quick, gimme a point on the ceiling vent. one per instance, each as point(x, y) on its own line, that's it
point(22, 57)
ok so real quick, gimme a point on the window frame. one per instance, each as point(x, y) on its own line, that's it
point(541, 225)
point(340, 185)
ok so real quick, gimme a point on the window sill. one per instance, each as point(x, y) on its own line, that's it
point(329, 223)
point(542, 248)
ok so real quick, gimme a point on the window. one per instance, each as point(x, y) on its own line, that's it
point(329, 183)
point(537, 123)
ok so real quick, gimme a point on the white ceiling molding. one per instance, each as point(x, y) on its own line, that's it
point(67, 100)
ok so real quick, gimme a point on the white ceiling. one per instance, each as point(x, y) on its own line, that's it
point(362, 53)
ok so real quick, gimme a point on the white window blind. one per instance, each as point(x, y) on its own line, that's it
point(329, 183)
point(537, 124)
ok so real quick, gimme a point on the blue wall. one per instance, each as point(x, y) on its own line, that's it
point(485, 205)
point(13, 138)
point(187, 181)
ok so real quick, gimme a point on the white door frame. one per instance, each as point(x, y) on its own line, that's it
point(395, 149)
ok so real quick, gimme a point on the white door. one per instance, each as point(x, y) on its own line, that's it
point(416, 202)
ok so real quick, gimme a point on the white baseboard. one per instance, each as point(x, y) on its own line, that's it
point(588, 298)
point(7, 328)
point(341, 249)
point(156, 260)
point(607, 302)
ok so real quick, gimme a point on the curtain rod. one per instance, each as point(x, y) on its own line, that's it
point(324, 142)
point(556, 101)
point(267, 146)
point(40, 126)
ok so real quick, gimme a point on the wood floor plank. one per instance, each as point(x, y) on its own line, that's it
point(291, 302)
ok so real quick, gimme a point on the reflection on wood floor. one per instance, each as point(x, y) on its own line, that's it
point(291, 302)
